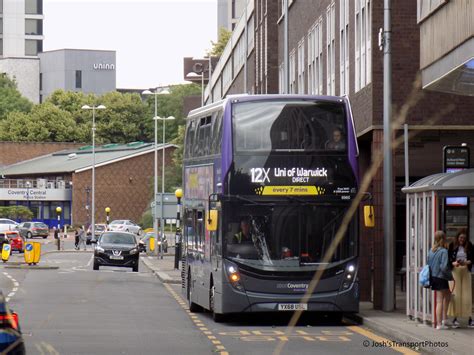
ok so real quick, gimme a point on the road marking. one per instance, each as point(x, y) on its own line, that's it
point(375, 337)
point(15, 286)
point(219, 348)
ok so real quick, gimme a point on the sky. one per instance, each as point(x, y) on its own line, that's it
point(151, 37)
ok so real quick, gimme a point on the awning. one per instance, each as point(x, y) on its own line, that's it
point(460, 183)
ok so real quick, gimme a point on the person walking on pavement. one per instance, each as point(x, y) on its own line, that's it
point(440, 275)
point(82, 238)
point(76, 239)
point(461, 257)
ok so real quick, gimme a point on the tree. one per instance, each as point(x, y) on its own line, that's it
point(45, 123)
point(10, 98)
point(219, 46)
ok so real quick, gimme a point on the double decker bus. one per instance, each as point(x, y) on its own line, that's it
point(267, 180)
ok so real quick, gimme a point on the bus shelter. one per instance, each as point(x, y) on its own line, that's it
point(425, 206)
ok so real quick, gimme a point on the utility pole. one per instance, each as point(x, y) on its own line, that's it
point(389, 245)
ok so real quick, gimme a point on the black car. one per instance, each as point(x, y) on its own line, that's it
point(11, 339)
point(116, 249)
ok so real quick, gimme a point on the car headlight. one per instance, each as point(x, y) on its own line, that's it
point(133, 251)
point(99, 249)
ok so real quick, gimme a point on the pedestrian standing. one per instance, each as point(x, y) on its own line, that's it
point(461, 257)
point(76, 239)
point(440, 275)
point(82, 238)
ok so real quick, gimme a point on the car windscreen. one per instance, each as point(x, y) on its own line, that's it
point(117, 238)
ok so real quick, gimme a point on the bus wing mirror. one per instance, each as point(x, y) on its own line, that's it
point(369, 217)
point(212, 220)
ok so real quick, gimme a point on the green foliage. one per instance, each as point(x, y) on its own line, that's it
point(16, 212)
point(219, 46)
point(147, 220)
point(10, 98)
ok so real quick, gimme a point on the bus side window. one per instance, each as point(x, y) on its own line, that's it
point(216, 138)
point(189, 228)
point(200, 230)
point(190, 131)
point(204, 136)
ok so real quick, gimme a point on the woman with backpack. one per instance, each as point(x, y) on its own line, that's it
point(440, 275)
point(461, 257)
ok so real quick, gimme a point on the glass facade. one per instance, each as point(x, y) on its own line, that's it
point(33, 27)
point(33, 47)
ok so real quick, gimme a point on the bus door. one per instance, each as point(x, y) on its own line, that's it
point(216, 244)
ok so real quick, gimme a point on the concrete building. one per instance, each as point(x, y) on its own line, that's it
point(88, 71)
point(123, 182)
point(228, 13)
point(21, 39)
point(333, 50)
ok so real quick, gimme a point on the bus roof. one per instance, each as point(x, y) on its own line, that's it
point(245, 97)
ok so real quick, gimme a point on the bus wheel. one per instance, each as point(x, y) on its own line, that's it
point(193, 307)
point(218, 317)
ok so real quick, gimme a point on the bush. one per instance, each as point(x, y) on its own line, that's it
point(16, 212)
point(147, 220)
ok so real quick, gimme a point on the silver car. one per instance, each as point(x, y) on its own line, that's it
point(7, 225)
point(125, 225)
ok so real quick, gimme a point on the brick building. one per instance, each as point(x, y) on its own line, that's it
point(124, 182)
point(333, 50)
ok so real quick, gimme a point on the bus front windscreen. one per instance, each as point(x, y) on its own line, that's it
point(289, 126)
point(287, 237)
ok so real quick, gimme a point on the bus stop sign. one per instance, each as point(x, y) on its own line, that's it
point(455, 158)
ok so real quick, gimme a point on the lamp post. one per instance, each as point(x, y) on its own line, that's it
point(93, 108)
point(156, 92)
point(162, 230)
point(58, 229)
point(107, 212)
point(177, 242)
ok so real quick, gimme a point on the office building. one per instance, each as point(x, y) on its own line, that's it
point(228, 13)
point(88, 71)
point(21, 39)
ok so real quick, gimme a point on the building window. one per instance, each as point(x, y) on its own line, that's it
point(78, 79)
point(250, 35)
point(227, 76)
point(331, 49)
point(292, 84)
point(34, 7)
point(239, 55)
point(426, 7)
point(301, 66)
point(1, 25)
point(33, 27)
point(344, 43)
point(363, 46)
point(41, 81)
point(33, 47)
point(315, 54)
point(1, 46)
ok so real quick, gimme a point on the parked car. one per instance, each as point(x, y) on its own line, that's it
point(11, 339)
point(33, 229)
point(116, 249)
point(16, 241)
point(125, 225)
point(7, 224)
point(99, 229)
point(144, 241)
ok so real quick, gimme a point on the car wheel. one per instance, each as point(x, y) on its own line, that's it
point(135, 268)
point(45, 236)
point(28, 235)
point(96, 265)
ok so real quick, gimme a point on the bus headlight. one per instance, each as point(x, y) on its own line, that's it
point(233, 275)
point(349, 276)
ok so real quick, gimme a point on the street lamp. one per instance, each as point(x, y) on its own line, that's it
point(164, 119)
point(156, 92)
point(93, 108)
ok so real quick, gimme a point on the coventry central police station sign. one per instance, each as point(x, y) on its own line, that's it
point(35, 194)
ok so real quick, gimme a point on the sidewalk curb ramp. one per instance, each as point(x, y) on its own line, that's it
point(162, 276)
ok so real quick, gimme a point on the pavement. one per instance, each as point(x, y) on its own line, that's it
point(396, 326)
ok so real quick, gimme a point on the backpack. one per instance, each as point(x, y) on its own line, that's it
point(425, 276)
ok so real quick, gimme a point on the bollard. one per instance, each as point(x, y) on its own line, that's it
point(58, 229)
point(177, 242)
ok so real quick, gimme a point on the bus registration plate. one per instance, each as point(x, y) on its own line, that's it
point(292, 307)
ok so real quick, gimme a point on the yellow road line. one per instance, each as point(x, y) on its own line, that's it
point(377, 338)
